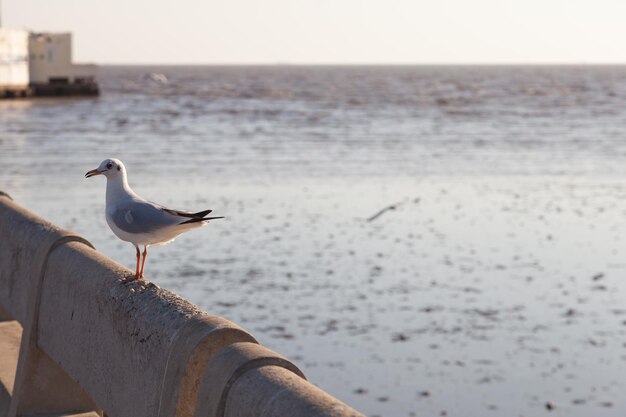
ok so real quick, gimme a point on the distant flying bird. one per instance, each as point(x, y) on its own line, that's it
point(138, 221)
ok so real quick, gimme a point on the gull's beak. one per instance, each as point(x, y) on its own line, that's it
point(92, 173)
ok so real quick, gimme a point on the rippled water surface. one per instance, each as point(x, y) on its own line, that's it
point(494, 284)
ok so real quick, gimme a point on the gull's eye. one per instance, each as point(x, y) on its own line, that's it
point(109, 165)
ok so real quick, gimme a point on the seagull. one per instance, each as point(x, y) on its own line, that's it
point(138, 221)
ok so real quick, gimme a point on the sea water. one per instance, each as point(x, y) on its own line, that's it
point(492, 281)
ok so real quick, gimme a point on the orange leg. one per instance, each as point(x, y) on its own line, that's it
point(137, 268)
point(136, 276)
point(145, 255)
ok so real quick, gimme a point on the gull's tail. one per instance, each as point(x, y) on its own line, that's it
point(193, 217)
point(201, 219)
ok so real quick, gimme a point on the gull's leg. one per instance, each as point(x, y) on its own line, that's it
point(145, 255)
point(137, 267)
point(136, 276)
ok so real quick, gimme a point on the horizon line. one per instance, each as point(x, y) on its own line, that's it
point(364, 64)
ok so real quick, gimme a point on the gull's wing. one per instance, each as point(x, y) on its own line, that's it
point(142, 217)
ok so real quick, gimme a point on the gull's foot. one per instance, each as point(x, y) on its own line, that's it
point(130, 278)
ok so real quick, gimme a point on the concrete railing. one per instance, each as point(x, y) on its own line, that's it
point(75, 341)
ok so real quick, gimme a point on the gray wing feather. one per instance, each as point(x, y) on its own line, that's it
point(141, 217)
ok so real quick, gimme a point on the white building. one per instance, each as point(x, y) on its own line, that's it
point(51, 60)
point(14, 71)
point(41, 63)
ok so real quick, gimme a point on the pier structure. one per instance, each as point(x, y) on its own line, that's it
point(40, 64)
point(75, 341)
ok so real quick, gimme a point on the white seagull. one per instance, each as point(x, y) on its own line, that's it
point(138, 221)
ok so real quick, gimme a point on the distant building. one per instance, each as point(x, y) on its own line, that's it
point(40, 64)
point(14, 71)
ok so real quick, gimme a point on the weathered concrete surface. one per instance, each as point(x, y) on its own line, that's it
point(73, 415)
point(251, 380)
point(135, 339)
point(24, 243)
point(39, 386)
point(4, 315)
point(200, 343)
point(10, 335)
point(130, 347)
point(272, 391)
point(91, 343)
point(227, 366)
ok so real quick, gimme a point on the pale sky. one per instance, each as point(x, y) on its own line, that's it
point(332, 31)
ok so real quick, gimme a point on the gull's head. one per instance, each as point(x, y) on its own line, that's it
point(110, 168)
